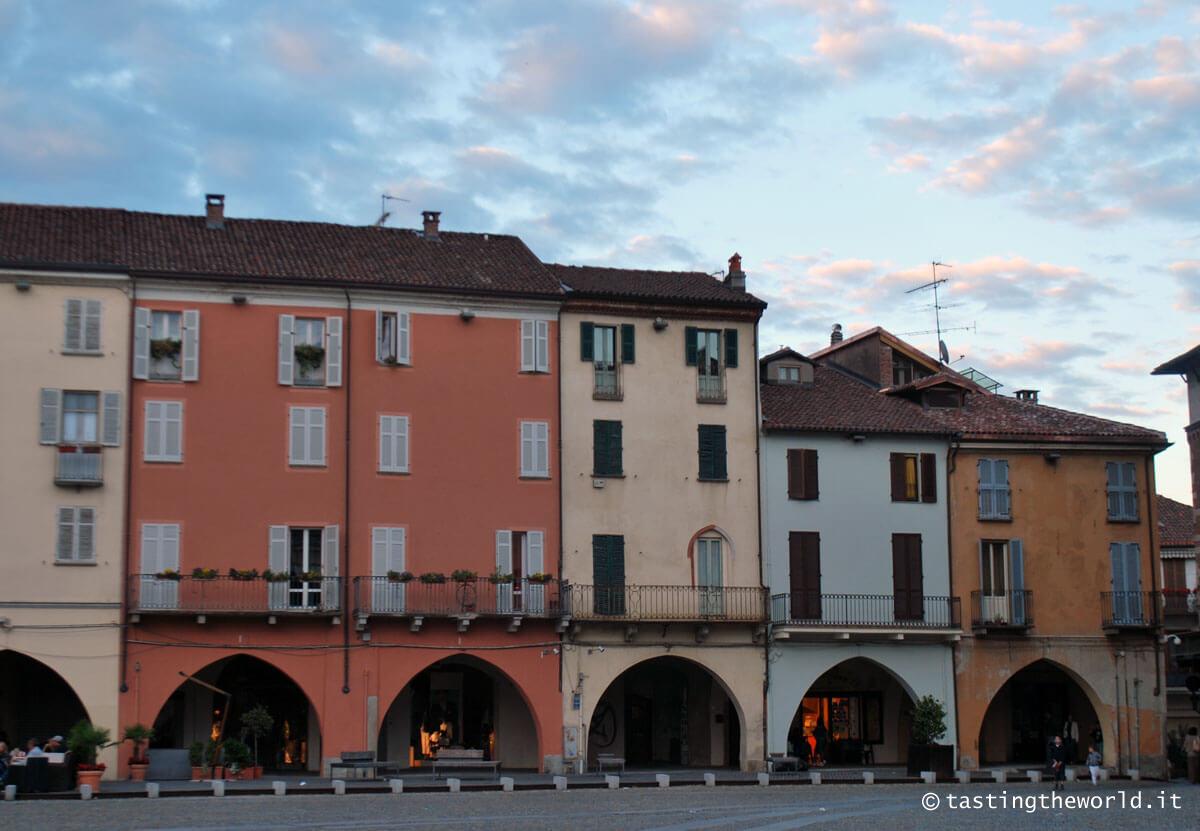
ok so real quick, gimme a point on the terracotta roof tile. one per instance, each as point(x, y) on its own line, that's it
point(1176, 523)
point(636, 284)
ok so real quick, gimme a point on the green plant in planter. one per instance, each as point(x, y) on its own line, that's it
point(85, 740)
point(237, 754)
point(257, 722)
point(166, 349)
point(139, 735)
point(169, 574)
point(400, 576)
point(204, 574)
point(275, 576)
point(433, 577)
point(309, 356)
point(212, 751)
point(928, 721)
point(243, 573)
point(540, 577)
point(196, 754)
point(463, 575)
point(499, 576)
point(312, 575)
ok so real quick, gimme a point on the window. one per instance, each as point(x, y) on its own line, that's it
point(1122, 492)
point(802, 474)
point(82, 326)
point(1127, 602)
point(160, 552)
point(387, 555)
point(393, 444)
point(606, 448)
point(392, 341)
point(914, 477)
point(908, 577)
point(76, 539)
point(72, 417)
point(1002, 582)
point(608, 574)
point(520, 554)
point(304, 562)
point(535, 449)
point(309, 557)
point(164, 431)
point(598, 345)
point(310, 351)
point(307, 436)
point(1175, 575)
point(804, 573)
point(789, 374)
point(709, 575)
point(995, 496)
point(535, 346)
point(703, 349)
point(166, 345)
point(711, 451)
point(80, 417)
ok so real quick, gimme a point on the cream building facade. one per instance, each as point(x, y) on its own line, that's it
point(64, 407)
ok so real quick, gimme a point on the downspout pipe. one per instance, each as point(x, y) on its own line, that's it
point(128, 530)
point(766, 594)
point(347, 535)
point(1155, 565)
point(951, 467)
point(563, 597)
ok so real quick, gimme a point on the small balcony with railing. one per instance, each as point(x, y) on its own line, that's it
point(812, 614)
point(1180, 609)
point(171, 593)
point(606, 382)
point(1004, 613)
point(79, 466)
point(462, 601)
point(626, 603)
point(1129, 612)
point(710, 388)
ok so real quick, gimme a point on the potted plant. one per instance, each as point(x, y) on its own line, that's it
point(309, 356)
point(196, 759)
point(498, 576)
point(169, 574)
point(257, 722)
point(924, 753)
point(311, 576)
point(463, 575)
point(275, 576)
point(212, 751)
point(243, 574)
point(166, 349)
point(204, 574)
point(400, 576)
point(139, 735)
point(433, 577)
point(84, 741)
point(237, 760)
point(540, 577)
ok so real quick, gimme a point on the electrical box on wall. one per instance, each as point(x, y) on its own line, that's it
point(576, 701)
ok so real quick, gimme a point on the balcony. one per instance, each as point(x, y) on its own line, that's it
point(710, 389)
point(187, 595)
point(849, 614)
point(1180, 609)
point(1007, 612)
point(79, 466)
point(463, 601)
point(606, 385)
point(665, 604)
point(1129, 611)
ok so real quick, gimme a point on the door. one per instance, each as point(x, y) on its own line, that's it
point(994, 585)
point(608, 574)
point(709, 577)
point(160, 551)
point(907, 577)
point(533, 562)
point(804, 556)
point(387, 555)
point(504, 565)
point(1126, 582)
point(304, 590)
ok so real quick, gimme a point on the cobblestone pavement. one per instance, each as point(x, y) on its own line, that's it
point(776, 808)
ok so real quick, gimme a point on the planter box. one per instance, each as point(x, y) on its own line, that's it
point(938, 758)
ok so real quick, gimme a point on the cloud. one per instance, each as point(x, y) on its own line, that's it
point(1187, 275)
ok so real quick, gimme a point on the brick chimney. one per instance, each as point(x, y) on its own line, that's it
point(214, 208)
point(1028, 396)
point(735, 278)
point(835, 337)
point(431, 219)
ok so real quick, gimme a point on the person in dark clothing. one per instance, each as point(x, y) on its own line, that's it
point(821, 735)
point(1058, 761)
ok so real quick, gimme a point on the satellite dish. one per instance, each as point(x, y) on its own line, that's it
point(943, 351)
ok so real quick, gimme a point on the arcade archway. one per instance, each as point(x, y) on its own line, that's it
point(1038, 703)
point(35, 701)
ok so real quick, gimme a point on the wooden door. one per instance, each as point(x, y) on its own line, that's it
point(804, 555)
point(907, 577)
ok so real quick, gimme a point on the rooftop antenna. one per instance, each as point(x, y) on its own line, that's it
point(384, 213)
point(943, 352)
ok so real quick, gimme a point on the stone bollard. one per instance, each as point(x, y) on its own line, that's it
point(868, 777)
point(929, 777)
point(613, 782)
point(279, 787)
point(764, 779)
point(339, 787)
point(663, 780)
point(85, 791)
point(218, 787)
point(506, 784)
point(1104, 774)
point(814, 777)
point(397, 785)
point(455, 785)
point(1135, 775)
point(1001, 776)
point(964, 777)
point(10, 793)
point(710, 780)
point(152, 790)
point(1070, 772)
point(560, 783)
point(1035, 776)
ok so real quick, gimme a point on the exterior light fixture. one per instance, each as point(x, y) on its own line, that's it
point(239, 300)
point(23, 285)
point(659, 324)
point(467, 315)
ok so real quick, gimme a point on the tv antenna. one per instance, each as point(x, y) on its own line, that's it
point(384, 213)
point(943, 352)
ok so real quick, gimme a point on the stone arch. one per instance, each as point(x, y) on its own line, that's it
point(36, 701)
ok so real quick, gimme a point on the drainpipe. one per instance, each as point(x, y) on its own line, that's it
point(562, 651)
point(128, 530)
point(346, 365)
point(758, 530)
point(951, 466)
point(1117, 705)
point(1155, 564)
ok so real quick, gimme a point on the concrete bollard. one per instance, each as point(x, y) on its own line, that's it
point(152, 790)
point(814, 777)
point(1135, 775)
point(1001, 776)
point(710, 780)
point(964, 777)
point(1070, 772)
point(10, 793)
point(1104, 774)
point(218, 787)
point(868, 777)
point(85, 791)
point(339, 787)
point(506, 784)
point(613, 782)
point(455, 785)
point(929, 777)
point(560, 783)
point(764, 779)
point(1035, 776)
point(279, 787)
point(663, 780)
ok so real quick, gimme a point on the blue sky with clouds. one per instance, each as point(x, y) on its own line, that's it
point(1048, 153)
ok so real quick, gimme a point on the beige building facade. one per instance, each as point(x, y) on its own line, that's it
point(64, 407)
point(663, 655)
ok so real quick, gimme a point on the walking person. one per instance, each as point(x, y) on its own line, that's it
point(1191, 746)
point(1070, 734)
point(821, 736)
point(1094, 760)
point(1058, 761)
point(1098, 739)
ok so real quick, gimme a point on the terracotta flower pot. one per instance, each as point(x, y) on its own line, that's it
point(137, 771)
point(258, 771)
point(90, 777)
point(198, 773)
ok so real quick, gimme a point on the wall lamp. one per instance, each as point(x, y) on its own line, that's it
point(239, 300)
point(551, 651)
point(1053, 457)
point(23, 285)
point(858, 438)
point(596, 649)
point(659, 324)
point(467, 315)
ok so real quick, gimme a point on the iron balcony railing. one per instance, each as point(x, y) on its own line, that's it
point(910, 611)
point(710, 387)
point(186, 594)
point(455, 598)
point(607, 384)
point(79, 467)
point(665, 603)
point(1129, 610)
point(1179, 603)
point(1006, 610)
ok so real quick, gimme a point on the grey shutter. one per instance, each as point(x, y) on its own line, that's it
point(586, 342)
point(333, 351)
point(141, 343)
point(731, 348)
point(85, 530)
point(689, 345)
point(1113, 476)
point(1129, 501)
point(172, 427)
point(987, 496)
point(111, 425)
point(277, 561)
point(297, 435)
point(627, 343)
point(152, 435)
point(91, 325)
point(287, 349)
point(330, 568)
point(386, 443)
point(191, 345)
point(1003, 495)
point(1016, 556)
point(534, 593)
point(50, 422)
point(504, 591)
point(316, 435)
point(528, 346)
point(541, 329)
point(168, 557)
point(403, 339)
point(73, 323)
point(65, 545)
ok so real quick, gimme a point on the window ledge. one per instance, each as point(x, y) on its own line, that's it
point(87, 353)
point(533, 372)
point(996, 519)
point(163, 461)
point(1124, 520)
point(700, 400)
point(309, 465)
point(707, 479)
point(397, 472)
point(535, 477)
point(608, 475)
point(75, 562)
point(393, 364)
point(160, 380)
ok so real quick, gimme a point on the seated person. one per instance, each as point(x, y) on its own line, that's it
point(55, 745)
point(33, 748)
point(3, 763)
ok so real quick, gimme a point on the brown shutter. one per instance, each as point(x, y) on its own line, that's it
point(928, 477)
point(899, 489)
point(811, 491)
point(795, 474)
point(899, 564)
point(907, 577)
point(804, 569)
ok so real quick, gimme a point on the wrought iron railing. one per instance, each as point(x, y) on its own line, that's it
point(79, 468)
point(710, 387)
point(906, 611)
point(455, 598)
point(207, 595)
point(1179, 603)
point(1129, 610)
point(1007, 610)
point(665, 603)
point(606, 384)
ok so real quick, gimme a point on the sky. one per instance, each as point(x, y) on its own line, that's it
point(1047, 154)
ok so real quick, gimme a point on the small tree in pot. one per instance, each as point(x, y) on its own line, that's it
point(139, 735)
point(237, 759)
point(256, 723)
point(196, 759)
point(929, 725)
point(84, 742)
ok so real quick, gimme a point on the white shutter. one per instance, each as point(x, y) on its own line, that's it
point(73, 321)
point(65, 545)
point(173, 431)
point(85, 534)
point(141, 343)
point(330, 568)
point(298, 434)
point(152, 438)
point(379, 569)
point(528, 347)
point(277, 561)
point(542, 345)
point(50, 421)
point(91, 325)
point(400, 448)
point(287, 349)
point(333, 351)
point(403, 339)
point(542, 448)
point(504, 591)
point(111, 426)
point(393, 444)
point(191, 345)
point(527, 448)
point(316, 435)
point(387, 443)
point(380, 346)
point(533, 553)
point(151, 589)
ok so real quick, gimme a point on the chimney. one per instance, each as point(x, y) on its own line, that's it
point(1028, 396)
point(736, 278)
point(835, 337)
point(431, 223)
point(214, 206)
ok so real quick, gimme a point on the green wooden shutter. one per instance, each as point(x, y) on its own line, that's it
point(585, 342)
point(731, 349)
point(705, 452)
point(689, 345)
point(627, 343)
point(614, 449)
point(719, 463)
point(712, 452)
